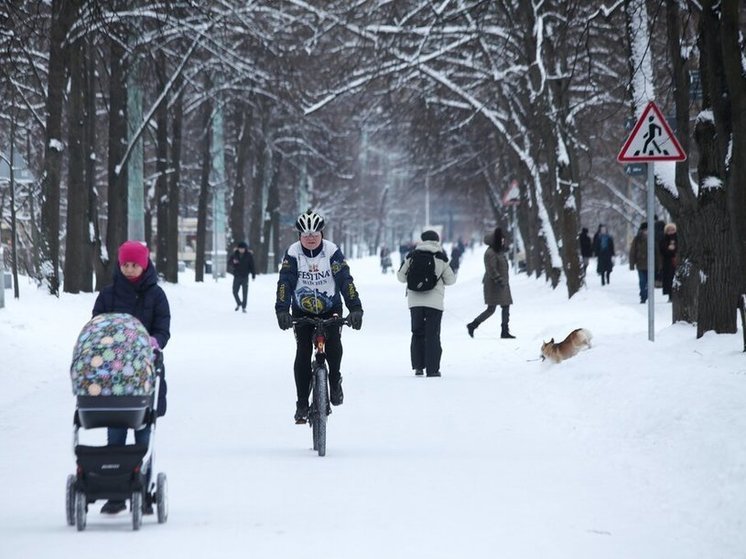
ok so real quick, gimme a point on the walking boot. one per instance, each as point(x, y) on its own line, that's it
point(336, 395)
point(506, 335)
point(301, 413)
point(470, 329)
point(113, 507)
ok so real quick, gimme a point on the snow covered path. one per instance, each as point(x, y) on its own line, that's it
point(631, 449)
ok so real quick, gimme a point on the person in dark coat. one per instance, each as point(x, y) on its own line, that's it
point(668, 248)
point(659, 225)
point(241, 264)
point(603, 248)
point(135, 291)
point(638, 258)
point(385, 259)
point(586, 251)
point(456, 253)
point(496, 284)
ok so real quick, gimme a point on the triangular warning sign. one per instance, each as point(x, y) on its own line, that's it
point(651, 140)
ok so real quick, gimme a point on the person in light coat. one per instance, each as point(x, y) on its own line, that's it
point(426, 308)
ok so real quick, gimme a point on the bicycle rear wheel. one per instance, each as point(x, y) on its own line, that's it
point(321, 403)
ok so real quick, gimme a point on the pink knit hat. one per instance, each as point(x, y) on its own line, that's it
point(134, 251)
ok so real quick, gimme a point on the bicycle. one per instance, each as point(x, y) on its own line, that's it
point(320, 407)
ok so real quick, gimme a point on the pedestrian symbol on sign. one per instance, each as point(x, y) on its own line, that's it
point(653, 131)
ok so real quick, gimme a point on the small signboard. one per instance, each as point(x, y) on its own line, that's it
point(651, 140)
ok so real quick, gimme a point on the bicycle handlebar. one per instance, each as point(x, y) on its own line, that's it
point(332, 321)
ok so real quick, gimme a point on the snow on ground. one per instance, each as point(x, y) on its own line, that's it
point(632, 449)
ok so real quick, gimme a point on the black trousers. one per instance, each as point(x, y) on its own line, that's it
point(304, 351)
point(425, 349)
point(240, 282)
point(489, 311)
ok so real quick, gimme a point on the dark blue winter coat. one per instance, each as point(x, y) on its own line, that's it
point(145, 300)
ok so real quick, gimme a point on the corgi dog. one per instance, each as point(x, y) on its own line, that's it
point(570, 346)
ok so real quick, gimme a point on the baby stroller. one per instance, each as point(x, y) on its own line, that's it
point(116, 380)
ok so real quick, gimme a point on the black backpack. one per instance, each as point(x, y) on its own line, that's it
point(421, 274)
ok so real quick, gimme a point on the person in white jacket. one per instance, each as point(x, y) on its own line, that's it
point(426, 307)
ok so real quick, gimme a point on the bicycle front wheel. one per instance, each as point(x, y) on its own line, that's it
point(321, 403)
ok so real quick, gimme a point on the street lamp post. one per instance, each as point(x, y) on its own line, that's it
point(427, 200)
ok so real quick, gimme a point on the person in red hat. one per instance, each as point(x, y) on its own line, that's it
point(135, 291)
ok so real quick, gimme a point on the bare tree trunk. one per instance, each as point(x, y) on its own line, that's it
point(171, 270)
point(683, 208)
point(257, 211)
point(528, 225)
point(64, 12)
point(237, 213)
point(381, 217)
point(204, 194)
point(569, 228)
point(272, 213)
point(718, 293)
point(13, 213)
point(732, 52)
point(77, 263)
point(90, 170)
point(161, 169)
point(713, 252)
point(116, 225)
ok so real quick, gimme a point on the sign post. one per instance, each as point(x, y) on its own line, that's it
point(651, 140)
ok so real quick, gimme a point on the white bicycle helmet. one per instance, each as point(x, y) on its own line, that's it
point(309, 222)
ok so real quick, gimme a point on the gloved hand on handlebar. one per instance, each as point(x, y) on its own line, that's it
point(356, 319)
point(284, 320)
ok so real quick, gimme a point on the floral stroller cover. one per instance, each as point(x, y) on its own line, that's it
point(113, 357)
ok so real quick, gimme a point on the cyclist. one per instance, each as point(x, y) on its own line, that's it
point(314, 277)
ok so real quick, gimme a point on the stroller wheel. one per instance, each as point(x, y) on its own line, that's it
point(81, 506)
point(161, 497)
point(70, 500)
point(136, 504)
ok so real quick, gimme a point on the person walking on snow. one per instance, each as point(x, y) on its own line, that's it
point(603, 247)
point(638, 258)
point(586, 251)
point(496, 284)
point(426, 307)
point(241, 264)
point(135, 291)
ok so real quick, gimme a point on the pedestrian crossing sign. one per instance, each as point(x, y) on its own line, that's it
point(651, 140)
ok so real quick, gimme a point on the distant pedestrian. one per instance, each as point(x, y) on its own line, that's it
point(404, 249)
point(426, 272)
point(241, 265)
point(586, 252)
point(668, 249)
point(638, 259)
point(456, 253)
point(496, 284)
point(603, 248)
point(658, 226)
point(385, 256)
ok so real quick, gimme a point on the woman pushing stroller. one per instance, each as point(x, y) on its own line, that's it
point(135, 291)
